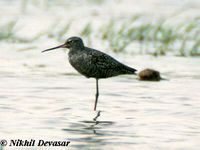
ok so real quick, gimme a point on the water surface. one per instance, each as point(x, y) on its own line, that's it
point(43, 97)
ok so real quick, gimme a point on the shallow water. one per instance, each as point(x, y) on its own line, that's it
point(43, 97)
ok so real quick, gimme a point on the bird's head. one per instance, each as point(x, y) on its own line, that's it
point(74, 43)
point(71, 43)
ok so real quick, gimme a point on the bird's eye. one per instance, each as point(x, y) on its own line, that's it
point(69, 42)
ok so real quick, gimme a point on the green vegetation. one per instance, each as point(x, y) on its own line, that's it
point(86, 32)
point(7, 30)
point(57, 32)
point(182, 39)
point(154, 37)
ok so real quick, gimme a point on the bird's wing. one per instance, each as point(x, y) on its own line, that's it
point(100, 65)
point(104, 61)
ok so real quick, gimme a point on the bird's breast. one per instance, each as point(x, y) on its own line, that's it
point(77, 59)
point(82, 63)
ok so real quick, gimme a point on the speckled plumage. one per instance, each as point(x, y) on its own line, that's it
point(93, 63)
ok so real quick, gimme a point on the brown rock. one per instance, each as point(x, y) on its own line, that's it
point(149, 75)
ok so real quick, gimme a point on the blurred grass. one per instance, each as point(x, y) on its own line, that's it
point(182, 39)
point(58, 32)
point(87, 32)
point(154, 37)
point(7, 30)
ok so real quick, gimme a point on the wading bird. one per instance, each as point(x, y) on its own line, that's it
point(92, 63)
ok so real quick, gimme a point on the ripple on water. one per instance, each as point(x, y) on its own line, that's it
point(137, 115)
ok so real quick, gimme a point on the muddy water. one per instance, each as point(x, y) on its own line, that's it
point(43, 97)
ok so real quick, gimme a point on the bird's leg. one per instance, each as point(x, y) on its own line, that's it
point(97, 94)
point(97, 116)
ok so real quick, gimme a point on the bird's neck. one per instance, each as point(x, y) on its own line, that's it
point(76, 49)
point(73, 51)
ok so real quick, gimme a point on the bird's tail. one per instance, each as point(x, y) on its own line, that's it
point(130, 70)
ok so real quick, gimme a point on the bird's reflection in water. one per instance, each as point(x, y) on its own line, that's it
point(89, 125)
point(90, 132)
point(95, 124)
point(95, 120)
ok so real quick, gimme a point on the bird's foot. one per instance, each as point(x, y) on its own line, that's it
point(97, 116)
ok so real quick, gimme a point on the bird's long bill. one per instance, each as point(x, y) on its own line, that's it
point(60, 46)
